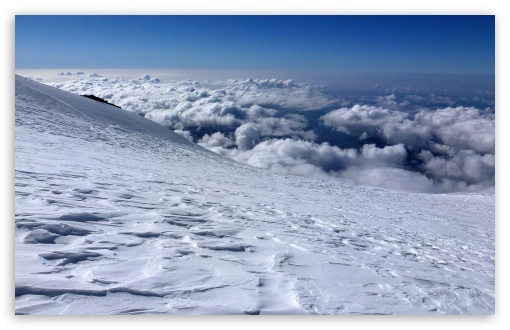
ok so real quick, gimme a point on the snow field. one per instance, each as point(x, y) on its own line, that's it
point(117, 216)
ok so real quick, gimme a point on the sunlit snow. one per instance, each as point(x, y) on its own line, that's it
point(118, 215)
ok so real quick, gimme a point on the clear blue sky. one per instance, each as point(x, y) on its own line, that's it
point(398, 44)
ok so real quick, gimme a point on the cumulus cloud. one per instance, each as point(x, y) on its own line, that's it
point(396, 141)
point(380, 167)
point(292, 126)
point(466, 166)
point(280, 94)
point(459, 128)
point(455, 145)
point(186, 115)
point(247, 136)
point(411, 133)
point(389, 155)
point(256, 111)
point(215, 140)
point(190, 105)
point(362, 119)
point(299, 157)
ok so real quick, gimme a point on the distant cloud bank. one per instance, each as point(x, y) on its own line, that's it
point(410, 142)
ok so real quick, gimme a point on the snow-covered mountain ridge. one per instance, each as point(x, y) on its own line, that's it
point(116, 214)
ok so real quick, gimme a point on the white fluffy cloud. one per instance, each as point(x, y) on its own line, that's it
point(362, 119)
point(186, 115)
point(273, 93)
point(247, 136)
point(456, 145)
point(267, 124)
point(182, 105)
point(292, 125)
point(466, 166)
point(299, 157)
point(394, 155)
point(215, 140)
point(380, 167)
point(461, 128)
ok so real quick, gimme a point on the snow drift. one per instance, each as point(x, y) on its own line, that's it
point(118, 215)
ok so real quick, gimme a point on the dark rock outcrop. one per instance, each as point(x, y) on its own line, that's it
point(95, 98)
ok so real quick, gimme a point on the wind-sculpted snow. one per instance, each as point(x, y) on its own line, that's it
point(115, 216)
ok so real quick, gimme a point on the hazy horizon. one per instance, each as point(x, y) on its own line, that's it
point(427, 82)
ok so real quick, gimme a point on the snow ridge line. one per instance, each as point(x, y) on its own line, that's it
point(61, 101)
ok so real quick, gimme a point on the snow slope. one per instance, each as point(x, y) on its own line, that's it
point(117, 215)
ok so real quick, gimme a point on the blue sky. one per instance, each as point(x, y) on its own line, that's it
point(359, 44)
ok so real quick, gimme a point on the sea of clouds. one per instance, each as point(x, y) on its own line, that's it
point(397, 139)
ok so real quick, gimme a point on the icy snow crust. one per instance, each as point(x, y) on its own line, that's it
point(118, 215)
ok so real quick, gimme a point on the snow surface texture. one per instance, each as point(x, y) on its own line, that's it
point(117, 215)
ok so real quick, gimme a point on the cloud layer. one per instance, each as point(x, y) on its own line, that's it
point(456, 146)
point(400, 141)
